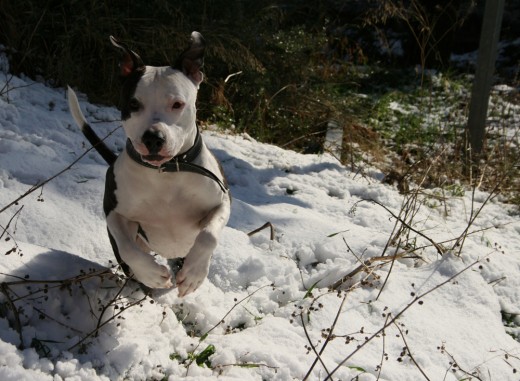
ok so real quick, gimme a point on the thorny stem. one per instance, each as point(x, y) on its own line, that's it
point(4, 289)
point(237, 303)
point(462, 370)
point(327, 340)
point(394, 257)
point(264, 226)
point(60, 281)
point(232, 308)
point(380, 368)
point(440, 250)
point(96, 330)
point(113, 301)
point(410, 352)
point(397, 316)
point(41, 184)
point(9, 223)
point(318, 355)
point(364, 265)
point(473, 215)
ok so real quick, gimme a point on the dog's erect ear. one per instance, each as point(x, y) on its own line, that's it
point(191, 60)
point(130, 61)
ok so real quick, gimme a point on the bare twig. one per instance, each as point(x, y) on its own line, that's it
point(410, 352)
point(43, 313)
point(327, 340)
point(41, 184)
point(304, 137)
point(454, 365)
point(397, 316)
point(318, 355)
point(237, 303)
point(389, 271)
point(473, 215)
point(59, 282)
point(10, 236)
point(438, 247)
point(221, 321)
point(383, 354)
point(264, 226)
point(96, 330)
point(4, 289)
point(365, 265)
point(245, 365)
point(110, 303)
point(9, 224)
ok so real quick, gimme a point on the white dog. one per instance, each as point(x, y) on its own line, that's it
point(166, 192)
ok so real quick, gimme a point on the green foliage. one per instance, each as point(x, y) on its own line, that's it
point(512, 324)
point(279, 71)
point(410, 114)
point(201, 358)
point(277, 48)
point(67, 42)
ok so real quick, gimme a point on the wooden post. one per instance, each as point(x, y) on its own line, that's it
point(487, 54)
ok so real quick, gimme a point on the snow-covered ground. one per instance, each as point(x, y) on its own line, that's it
point(265, 312)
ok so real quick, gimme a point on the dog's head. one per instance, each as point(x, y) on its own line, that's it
point(158, 103)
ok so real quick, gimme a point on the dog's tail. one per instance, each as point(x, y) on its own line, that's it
point(100, 146)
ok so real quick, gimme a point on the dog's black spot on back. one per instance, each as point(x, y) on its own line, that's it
point(110, 199)
point(115, 249)
point(109, 204)
point(128, 90)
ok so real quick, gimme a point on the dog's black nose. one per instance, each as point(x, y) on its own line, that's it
point(153, 140)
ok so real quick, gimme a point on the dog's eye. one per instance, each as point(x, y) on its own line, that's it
point(134, 105)
point(177, 105)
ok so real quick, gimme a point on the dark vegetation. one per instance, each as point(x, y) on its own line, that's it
point(282, 71)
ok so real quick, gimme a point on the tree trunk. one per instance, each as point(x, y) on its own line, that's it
point(487, 54)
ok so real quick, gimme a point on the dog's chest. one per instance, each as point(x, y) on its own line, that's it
point(162, 199)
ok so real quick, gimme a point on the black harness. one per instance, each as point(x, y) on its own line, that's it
point(180, 163)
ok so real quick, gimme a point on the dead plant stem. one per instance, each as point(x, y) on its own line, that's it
point(41, 184)
point(383, 354)
point(327, 340)
point(318, 355)
point(4, 289)
point(439, 249)
point(409, 351)
point(96, 330)
point(397, 316)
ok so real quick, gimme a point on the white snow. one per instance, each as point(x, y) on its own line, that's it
point(78, 321)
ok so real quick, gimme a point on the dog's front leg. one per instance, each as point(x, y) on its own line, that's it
point(144, 267)
point(196, 263)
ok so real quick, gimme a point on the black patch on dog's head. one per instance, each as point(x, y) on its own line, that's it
point(191, 60)
point(131, 68)
point(129, 84)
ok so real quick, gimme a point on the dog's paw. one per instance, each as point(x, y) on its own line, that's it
point(189, 278)
point(154, 276)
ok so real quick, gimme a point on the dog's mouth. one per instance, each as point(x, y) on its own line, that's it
point(155, 160)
